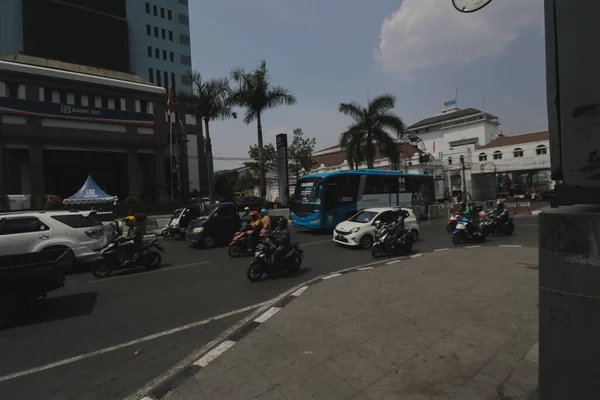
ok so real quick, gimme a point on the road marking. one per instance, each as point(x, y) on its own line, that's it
point(393, 262)
point(416, 255)
point(510, 245)
point(268, 314)
point(214, 353)
point(147, 272)
point(331, 276)
point(127, 344)
point(364, 268)
point(299, 291)
point(444, 249)
point(471, 247)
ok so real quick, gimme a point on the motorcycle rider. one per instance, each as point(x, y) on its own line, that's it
point(255, 227)
point(501, 214)
point(399, 226)
point(468, 212)
point(266, 221)
point(281, 238)
point(480, 216)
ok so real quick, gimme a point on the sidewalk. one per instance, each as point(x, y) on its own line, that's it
point(457, 324)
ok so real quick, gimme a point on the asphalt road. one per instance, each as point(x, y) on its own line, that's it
point(81, 322)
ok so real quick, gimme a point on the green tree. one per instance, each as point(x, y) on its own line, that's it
point(367, 133)
point(256, 94)
point(269, 156)
point(246, 181)
point(300, 152)
point(208, 101)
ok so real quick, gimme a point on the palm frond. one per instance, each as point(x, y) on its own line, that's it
point(392, 122)
point(381, 104)
point(353, 110)
point(279, 96)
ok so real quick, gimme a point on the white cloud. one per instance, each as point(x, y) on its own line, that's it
point(426, 33)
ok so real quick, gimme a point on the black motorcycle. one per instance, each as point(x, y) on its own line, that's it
point(263, 261)
point(124, 254)
point(496, 225)
point(384, 239)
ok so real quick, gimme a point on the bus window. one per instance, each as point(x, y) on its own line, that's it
point(376, 185)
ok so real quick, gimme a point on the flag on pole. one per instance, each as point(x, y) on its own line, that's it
point(169, 100)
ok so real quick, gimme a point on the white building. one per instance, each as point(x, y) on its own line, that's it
point(465, 146)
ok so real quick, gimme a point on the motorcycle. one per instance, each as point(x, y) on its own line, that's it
point(493, 226)
point(263, 260)
point(240, 243)
point(461, 233)
point(452, 221)
point(383, 239)
point(122, 254)
point(171, 230)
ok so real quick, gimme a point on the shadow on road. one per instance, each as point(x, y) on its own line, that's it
point(57, 308)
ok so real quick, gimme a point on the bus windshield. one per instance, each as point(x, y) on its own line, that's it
point(307, 191)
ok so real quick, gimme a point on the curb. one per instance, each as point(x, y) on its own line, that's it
point(256, 319)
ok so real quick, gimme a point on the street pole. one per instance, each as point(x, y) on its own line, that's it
point(464, 180)
point(171, 156)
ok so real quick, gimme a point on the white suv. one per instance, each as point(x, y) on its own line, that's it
point(28, 232)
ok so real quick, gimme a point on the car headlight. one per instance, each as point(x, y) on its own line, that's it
point(355, 230)
point(315, 221)
point(198, 229)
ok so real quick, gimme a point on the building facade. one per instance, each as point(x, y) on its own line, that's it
point(60, 122)
point(467, 156)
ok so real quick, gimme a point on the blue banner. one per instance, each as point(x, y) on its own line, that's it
point(9, 105)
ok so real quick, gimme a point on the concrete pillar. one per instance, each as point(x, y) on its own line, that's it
point(569, 298)
point(4, 205)
point(38, 189)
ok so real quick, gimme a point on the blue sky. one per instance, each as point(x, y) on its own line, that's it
point(333, 51)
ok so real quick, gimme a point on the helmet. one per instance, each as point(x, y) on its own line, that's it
point(130, 220)
point(282, 223)
point(254, 214)
point(263, 211)
point(478, 207)
point(246, 209)
point(500, 204)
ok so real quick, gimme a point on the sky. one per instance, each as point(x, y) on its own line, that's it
point(329, 52)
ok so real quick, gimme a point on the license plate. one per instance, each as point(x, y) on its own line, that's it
point(338, 237)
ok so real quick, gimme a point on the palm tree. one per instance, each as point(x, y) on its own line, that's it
point(368, 132)
point(208, 101)
point(256, 94)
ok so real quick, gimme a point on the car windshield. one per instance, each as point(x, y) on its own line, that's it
point(177, 213)
point(363, 217)
point(209, 210)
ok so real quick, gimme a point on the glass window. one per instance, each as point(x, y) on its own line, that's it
point(184, 19)
point(148, 30)
point(162, 12)
point(166, 79)
point(185, 59)
point(449, 160)
point(63, 97)
point(363, 217)
point(186, 80)
point(482, 157)
point(541, 149)
point(77, 220)
point(183, 2)
point(173, 83)
point(184, 39)
point(104, 102)
point(158, 78)
point(147, 8)
point(155, 31)
point(169, 15)
point(172, 56)
point(151, 75)
point(77, 99)
point(171, 36)
point(165, 55)
point(149, 51)
point(518, 152)
point(461, 159)
point(157, 53)
point(144, 106)
point(497, 155)
point(163, 33)
point(155, 10)
point(14, 226)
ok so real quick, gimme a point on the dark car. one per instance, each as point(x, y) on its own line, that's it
point(216, 225)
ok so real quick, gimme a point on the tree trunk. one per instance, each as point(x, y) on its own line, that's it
point(261, 161)
point(201, 157)
point(209, 163)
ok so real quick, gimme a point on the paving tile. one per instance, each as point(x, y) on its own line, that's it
point(318, 383)
point(502, 320)
point(492, 287)
point(479, 387)
point(505, 392)
point(533, 354)
point(519, 345)
point(463, 350)
point(358, 367)
point(392, 349)
point(324, 345)
point(401, 385)
point(272, 394)
point(523, 311)
point(501, 365)
point(362, 327)
point(258, 343)
point(190, 390)
point(227, 361)
point(484, 334)
point(445, 373)
point(361, 396)
point(531, 329)
point(282, 365)
point(524, 376)
point(241, 383)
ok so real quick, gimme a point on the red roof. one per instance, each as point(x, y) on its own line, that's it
point(517, 139)
point(338, 157)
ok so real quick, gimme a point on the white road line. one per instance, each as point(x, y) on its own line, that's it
point(364, 268)
point(148, 272)
point(471, 247)
point(127, 344)
point(214, 353)
point(331, 276)
point(299, 291)
point(268, 314)
point(444, 249)
point(510, 245)
point(416, 255)
point(147, 398)
point(393, 262)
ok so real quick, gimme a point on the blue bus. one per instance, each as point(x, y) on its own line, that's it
point(323, 200)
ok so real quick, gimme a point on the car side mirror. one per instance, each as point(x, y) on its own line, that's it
point(376, 223)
